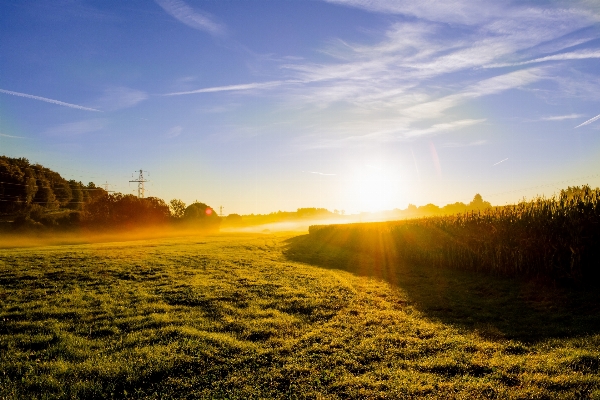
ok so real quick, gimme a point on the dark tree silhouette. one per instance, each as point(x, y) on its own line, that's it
point(126, 211)
point(478, 203)
point(201, 216)
point(76, 202)
point(234, 219)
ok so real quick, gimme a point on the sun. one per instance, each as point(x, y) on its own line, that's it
point(375, 188)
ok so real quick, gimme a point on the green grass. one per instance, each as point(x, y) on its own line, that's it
point(271, 316)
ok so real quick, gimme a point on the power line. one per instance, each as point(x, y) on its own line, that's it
point(45, 202)
point(47, 187)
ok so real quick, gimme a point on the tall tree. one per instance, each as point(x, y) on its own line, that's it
point(76, 202)
point(63, 192)
point(478, 203)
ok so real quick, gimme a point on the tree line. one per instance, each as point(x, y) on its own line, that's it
point(32, 196)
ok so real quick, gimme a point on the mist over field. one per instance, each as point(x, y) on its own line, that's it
point(353, 105)
point(327, 199)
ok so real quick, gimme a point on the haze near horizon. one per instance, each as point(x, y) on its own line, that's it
point(352, 105)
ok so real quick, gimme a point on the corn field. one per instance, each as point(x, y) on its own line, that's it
point(557, 238)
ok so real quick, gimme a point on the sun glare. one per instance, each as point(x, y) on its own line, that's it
point(375, 188)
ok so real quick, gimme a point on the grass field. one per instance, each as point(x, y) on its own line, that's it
point(277, 316)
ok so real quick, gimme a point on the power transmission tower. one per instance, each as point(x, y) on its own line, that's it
point(105, 185)
point(140, 181)
point(220, 211)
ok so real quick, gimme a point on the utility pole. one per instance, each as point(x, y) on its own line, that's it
point(221, 211)
point(140, 181)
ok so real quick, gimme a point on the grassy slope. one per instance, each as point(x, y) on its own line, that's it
point(232, 316)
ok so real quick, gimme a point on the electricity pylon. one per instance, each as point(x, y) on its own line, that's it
point(140, 181)
point(106, 185)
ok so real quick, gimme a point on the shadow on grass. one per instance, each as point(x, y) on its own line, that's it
point(495, 307)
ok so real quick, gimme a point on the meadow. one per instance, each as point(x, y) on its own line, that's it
point(282, 316)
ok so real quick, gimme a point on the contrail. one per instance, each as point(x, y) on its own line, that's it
point(589, 121)
point(500, 161)
point(60, 103)
point(318, 173)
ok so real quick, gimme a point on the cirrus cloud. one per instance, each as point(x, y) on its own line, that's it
point(120, 97)
point(71, 129)
point(190, 17)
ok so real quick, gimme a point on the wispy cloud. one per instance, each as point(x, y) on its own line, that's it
point(47, 100)
point(424, 70)
point(174, 131)
point(192, 18)
point(396, 73)
point(581, 85)
point(360, 135)
point(318, 173)
point(486, 87)
point(241, 87)
point(562, 117)
point(12, 136)
point(415, 52)
point(444, 127)
point(120, 97)
point(576, 55)
point(589, 121)
point(77, 128)
point(469, 144)
point(449, 11)
point(423, 73)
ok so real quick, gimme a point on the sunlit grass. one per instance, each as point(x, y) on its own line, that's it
point(231, 316)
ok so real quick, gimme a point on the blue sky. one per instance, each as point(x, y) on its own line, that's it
point(260, 106)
